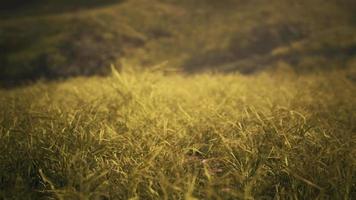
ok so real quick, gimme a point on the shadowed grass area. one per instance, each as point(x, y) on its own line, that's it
point(19, 8)
point(153, 136)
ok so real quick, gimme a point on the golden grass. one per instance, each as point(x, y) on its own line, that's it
point(145, 135)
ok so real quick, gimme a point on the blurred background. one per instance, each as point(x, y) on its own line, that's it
point(54, 39)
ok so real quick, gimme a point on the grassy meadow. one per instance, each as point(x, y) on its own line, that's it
point(178, 99)
point(156, 135)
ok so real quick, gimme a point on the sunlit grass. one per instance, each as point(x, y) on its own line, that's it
point(146, 135)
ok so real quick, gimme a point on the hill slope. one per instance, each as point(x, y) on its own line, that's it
point(84, 39)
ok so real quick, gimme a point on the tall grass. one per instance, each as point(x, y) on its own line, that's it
point(153, 136)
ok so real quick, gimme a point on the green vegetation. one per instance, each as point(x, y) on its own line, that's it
point(55, 39)
point(150, 135)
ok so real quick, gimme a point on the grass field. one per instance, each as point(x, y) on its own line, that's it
point(258, 101)
point(151, 135)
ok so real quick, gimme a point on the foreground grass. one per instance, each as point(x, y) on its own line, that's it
point(150, 136)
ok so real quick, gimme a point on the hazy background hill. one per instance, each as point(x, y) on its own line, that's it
point(53, 39)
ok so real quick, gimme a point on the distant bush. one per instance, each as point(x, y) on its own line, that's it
point(64, 48)
point(264, 38)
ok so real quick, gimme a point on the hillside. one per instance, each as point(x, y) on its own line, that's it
point(55, 39)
